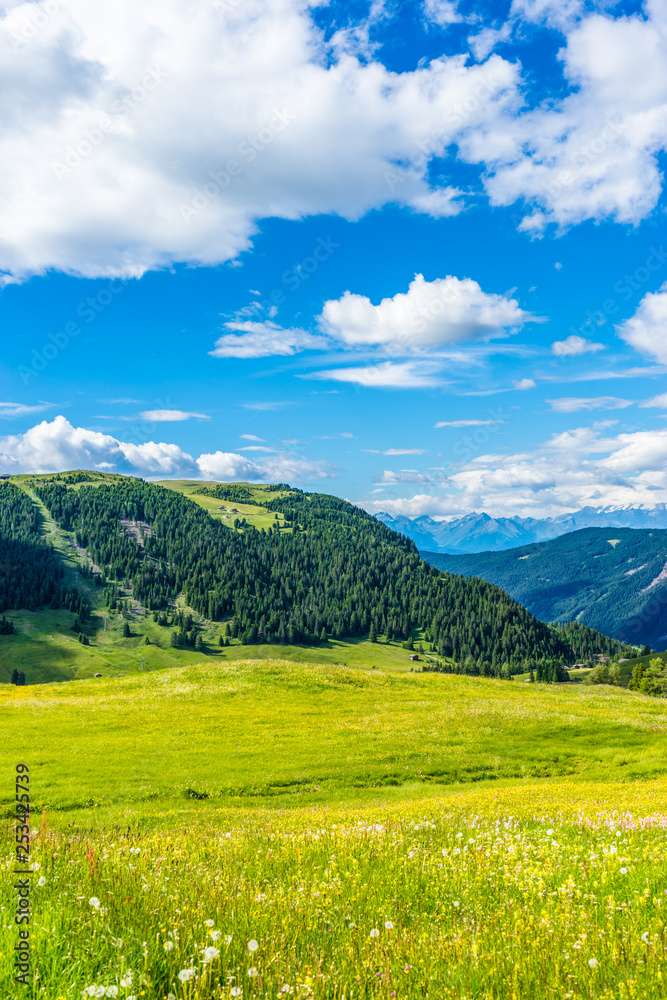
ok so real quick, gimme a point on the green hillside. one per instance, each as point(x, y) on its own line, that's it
point(155, 576)
point(609, 579)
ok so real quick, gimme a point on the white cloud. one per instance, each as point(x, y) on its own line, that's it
point(430, 314)
point(261, 340)
point(581, 467)
point(524, 383)
point(9, 410)
point(171, 416)
point(250, 437)
point(573, 346)
point(386, 375)
point(390, 478)
point(442, 12)
point(645, 331)
point(572, 404)
point(58, 446)
point(145, 134)
point(405, 451)
point(657, 401)
point(466, 423)
point(592, 154)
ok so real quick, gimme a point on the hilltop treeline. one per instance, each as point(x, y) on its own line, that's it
point(339, 573)
point(31, 574)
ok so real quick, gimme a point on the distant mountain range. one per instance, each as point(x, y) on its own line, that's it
point(483, 533)
point(611, 580)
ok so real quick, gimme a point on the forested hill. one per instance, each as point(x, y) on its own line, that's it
point(31, 574)
point(613, 579)
point(335, 572)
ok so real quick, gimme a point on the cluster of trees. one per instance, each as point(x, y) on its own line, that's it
point(233, 493)
point(7, 626)
point(341, 573)
point(586, 642)
point(18, 677)
point(650, 679)
point(31, 574)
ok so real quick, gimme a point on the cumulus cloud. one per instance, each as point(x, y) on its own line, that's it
point(58, 446)
point(171, 416)
point(430, 314)
point(645, 331)
point(442, 12)
point(144, 135)
point(386, 375)
point(51, 447)
point(572, 404)
point(573, 346)
point(593, 153)
point(524, 383)
point(261, 340)
point(584, 466)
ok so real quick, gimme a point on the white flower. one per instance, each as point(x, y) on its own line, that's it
point(252, 971)
point(35, 866)
point(645, 937)
point(613, 849)
point(168, 945)
point(457, 850)
point(209, 923)
point(388, 924)
point(458, 836)
point(90, 991)
point(623, 871)
point(352, 925)
point(186, 974)
point(550, 833)
point(253, 945)
point(126, 980)
point(456, 904)
point(94, 902)
point(215, 935)
point(170, 996)
point(228, 938)
point(260, 897)
point(100, 991)
point(593, 962)
point(411, 854)
point(112, 991)
point(41, 880)
point(135, 850)
point(210, 954)
point(375, 933)
point(116, 942)
point(236, 991)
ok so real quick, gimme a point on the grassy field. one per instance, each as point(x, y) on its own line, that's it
point(272, 829)
point(253, 513)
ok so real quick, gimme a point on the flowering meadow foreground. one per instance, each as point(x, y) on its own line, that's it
point(272, 829)
point(487, 893)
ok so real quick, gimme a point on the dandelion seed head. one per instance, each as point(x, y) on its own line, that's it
point(253, 945)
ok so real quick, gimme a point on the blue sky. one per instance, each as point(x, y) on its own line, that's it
point(411, 254)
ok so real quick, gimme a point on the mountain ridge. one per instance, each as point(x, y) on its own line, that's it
point(481, 532)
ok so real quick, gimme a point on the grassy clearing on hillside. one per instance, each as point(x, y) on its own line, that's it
point(46, 648)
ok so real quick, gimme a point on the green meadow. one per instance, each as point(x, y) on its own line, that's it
point(254, 828)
